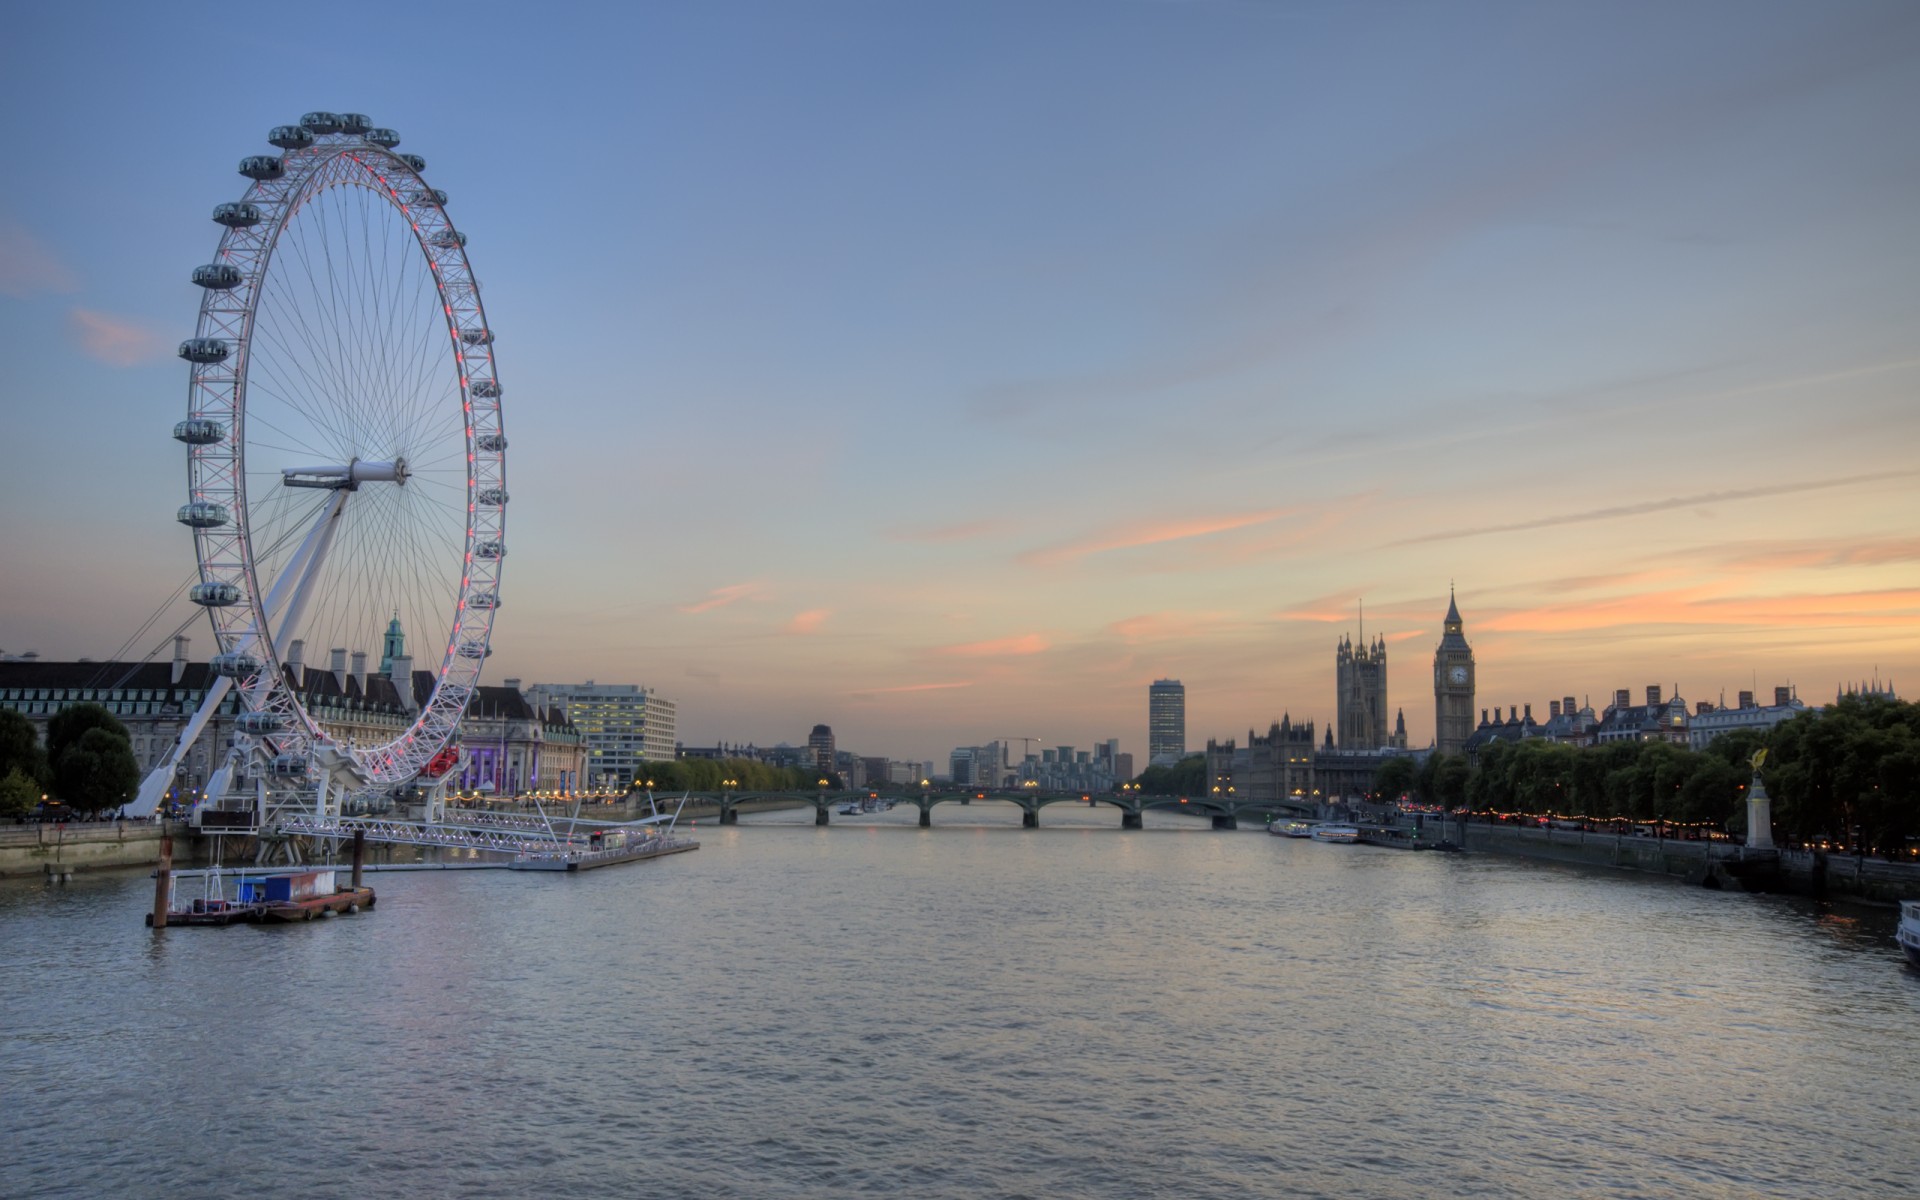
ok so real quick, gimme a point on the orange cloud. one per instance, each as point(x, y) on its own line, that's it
point(1694, 608)
point(27, 267)
point(1871, 552)
point(809, 621)
point(114, 340)
point(963, 531)
point(915, 687)
point(720, 597)
point(1148, 533)
point(1028, 643)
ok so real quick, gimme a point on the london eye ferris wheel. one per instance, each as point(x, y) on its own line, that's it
point(346, 460)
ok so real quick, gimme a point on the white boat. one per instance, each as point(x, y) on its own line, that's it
point(1335, 833)
point(1909, 932)
point(1292, 829)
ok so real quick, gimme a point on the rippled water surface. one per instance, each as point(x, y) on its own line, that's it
point(972, 1010)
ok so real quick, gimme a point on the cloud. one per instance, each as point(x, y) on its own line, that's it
point(1166, 626)
point(113, 340)
point(1128, 535)
point(1897, 606)
point(914, 687)
point(1008, 647)
point(1651, 506)
point(809, 621)
point(1869, 552)
point(27, 267)
point(720, 597)
point(959, 532)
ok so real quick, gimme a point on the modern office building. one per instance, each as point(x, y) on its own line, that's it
point(621, 726)
point(1166, 721)
point(820, 741)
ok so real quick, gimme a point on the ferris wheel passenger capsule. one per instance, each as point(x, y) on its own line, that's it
point(493, 497)
point(486, 600)
point(204, 350)
point(258, 723)
point(447, 239)
point(490, 551)
point(217, 277)
point(383, 137)
point(490, 443)
point(321, 123)
point(477, 337)
point(355, 123)
point(429, 196)
point(199, 431)
point(234, 665)
point(217, 594)
point(418, 164)
point(202, 514)
point(263, 166)
point(237, 214)
point(288, 766)
point(475, 650)
point(291, 137)
point(485, 389)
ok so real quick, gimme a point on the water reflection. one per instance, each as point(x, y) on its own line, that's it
point(970, 1010)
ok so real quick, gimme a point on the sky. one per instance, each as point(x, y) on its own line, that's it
point(951, 371)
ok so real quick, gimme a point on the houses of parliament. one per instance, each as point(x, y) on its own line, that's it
point(1286, 763)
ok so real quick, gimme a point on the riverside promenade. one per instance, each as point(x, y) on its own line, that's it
point(1805, 872)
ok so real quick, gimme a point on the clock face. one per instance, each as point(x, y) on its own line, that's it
point(1458, 675)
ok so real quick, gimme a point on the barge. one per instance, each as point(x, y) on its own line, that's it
point(272, 898)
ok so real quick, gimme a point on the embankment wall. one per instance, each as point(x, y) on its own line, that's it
point(1808, 872)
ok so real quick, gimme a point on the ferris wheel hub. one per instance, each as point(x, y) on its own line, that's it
point(348, 476)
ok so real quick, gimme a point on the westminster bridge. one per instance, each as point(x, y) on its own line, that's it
point(1225, 811)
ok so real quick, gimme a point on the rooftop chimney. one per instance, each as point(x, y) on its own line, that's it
point(1553, 709)
point(512, 683)
point(1622, 698)
point(1782, 696)
point(1703, 706)
point(1653, 694)
point(1746, 699)
point(1483, 716)
point(360, 670)
point(337, 663)
point(179, 657)
point(1566, 706)
point(1529, 712)
point(402, 676)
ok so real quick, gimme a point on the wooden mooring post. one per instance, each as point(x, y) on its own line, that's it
point(162, 884)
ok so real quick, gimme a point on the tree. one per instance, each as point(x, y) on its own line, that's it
point(1394, 779)
point(18, 794)
point(20, 749)
point(97, 771)
point(71, 723)
point(1188, 777)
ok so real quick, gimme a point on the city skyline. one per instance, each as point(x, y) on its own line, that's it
point(923, 375)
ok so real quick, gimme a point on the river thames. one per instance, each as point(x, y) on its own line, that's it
point(968, 1011)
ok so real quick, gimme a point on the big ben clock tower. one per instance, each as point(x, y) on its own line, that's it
point(1452, 685)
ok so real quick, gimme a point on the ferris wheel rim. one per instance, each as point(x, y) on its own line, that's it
point(217, 471)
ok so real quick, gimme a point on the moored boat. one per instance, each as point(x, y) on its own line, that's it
point(1334, 832)
point(1291, 828)
point(1908, 934)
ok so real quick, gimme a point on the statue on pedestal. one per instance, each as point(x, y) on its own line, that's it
point(1759, 807)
